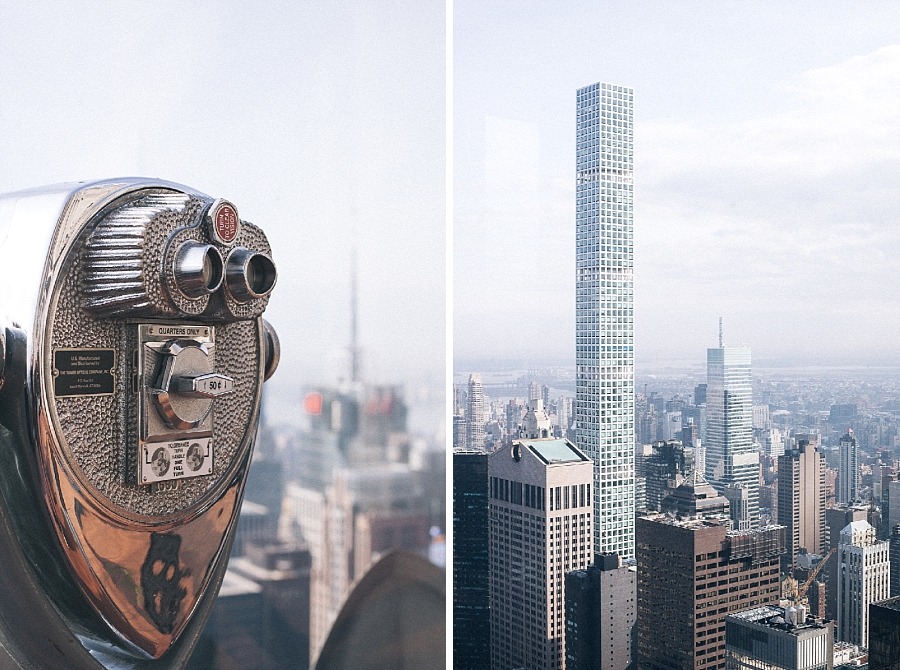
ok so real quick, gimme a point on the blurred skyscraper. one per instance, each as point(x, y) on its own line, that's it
point(359, 487)
point(731, 457)
point(604, 307)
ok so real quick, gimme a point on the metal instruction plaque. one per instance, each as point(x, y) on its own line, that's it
point(157, 332)
point(178, 459)
point(83, 372)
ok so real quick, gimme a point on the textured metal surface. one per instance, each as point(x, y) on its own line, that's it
point(99, 434)
point(2, 353)
point(248, 275)
point(123, 258)
point(131, 267)
point(250, 237)
point(143, 557)
point(273, 349)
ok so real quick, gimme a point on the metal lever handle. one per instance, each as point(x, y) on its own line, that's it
point(210, 385)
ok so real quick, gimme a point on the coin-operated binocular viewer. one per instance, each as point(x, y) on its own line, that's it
point(132, 358)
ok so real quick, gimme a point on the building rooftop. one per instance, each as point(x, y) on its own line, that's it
point(554, 451)
point(890, 603)
point(237, 585)
point(775, 617)
point(694, 522)
point(250, 508)
point(694, 496)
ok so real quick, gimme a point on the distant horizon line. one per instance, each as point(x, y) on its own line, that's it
point(473, 364)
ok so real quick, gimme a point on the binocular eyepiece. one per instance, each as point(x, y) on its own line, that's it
point(249, 275)
point(199, 270)
point(211, 263)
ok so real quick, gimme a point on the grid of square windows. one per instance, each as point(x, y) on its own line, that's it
point(604, 298)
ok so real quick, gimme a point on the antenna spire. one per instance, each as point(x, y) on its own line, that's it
point(354, 345)
point(721, 335)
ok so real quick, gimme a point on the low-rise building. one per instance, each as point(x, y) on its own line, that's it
point(778, 638)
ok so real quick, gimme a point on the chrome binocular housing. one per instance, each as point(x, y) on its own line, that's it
point(132, 357)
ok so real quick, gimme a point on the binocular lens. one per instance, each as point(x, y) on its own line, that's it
point(249, 275)
point(212, 269)
point(260, 274)
point(198, 269)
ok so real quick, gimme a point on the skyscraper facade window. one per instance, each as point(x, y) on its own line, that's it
point(692, 572)
point(601, 613)
point(777, 638)
point(604, 307)
point(731, 457)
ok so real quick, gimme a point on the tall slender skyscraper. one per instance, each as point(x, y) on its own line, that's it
point(475, 413)
point(604, 308)
point(848, 472)
point(801, 501)
point(731, 457)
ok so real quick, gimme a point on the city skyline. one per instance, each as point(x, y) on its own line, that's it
point(765, 144)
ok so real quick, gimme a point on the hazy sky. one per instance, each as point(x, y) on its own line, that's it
point(767, 174)
point(322, 121)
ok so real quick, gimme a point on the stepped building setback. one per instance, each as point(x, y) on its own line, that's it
point(864, 577)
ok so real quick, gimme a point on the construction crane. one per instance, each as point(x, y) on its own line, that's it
point(813, 573)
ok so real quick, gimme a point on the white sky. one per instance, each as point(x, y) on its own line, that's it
point(767, 147)
point(322, 121)
point(767, 175)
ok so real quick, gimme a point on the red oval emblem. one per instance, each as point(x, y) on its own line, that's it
point(225, 222)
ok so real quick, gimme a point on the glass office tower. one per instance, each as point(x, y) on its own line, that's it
point(731, 457)
point(604, 308)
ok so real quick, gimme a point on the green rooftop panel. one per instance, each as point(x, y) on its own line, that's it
point(554, 451)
